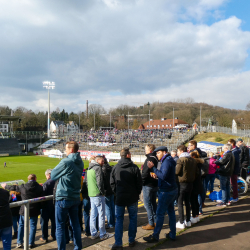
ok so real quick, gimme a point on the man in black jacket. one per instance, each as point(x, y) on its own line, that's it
point(5, 219)
point(244, 158)
point(150, 187)
point(48, 210)
point(226, 164)
point(126, 183)
point(29, 190)
point(109, 196)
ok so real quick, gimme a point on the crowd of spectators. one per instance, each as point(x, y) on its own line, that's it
point(182, 175)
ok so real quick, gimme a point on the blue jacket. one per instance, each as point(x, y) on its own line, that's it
point(69, 172)
point(166, 174)
point(236, 152)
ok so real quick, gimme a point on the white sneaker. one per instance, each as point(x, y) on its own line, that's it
point(198, 219)
point(187, 224)
point(193, 220)
point(95, 236)
point(179, 225)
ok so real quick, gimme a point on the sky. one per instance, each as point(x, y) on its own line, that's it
point(113, 52)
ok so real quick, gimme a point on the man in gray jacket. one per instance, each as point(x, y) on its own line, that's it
point(68, 173)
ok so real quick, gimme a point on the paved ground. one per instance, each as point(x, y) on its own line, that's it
point(226, 228)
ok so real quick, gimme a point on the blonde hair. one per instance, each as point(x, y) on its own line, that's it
point(210, 154)
point(194, 154)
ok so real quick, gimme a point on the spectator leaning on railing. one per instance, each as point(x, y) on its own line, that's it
point(5, 220)
point(48, 210)
point(29, 190)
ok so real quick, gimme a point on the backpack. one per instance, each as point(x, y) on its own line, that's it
point(205, 167)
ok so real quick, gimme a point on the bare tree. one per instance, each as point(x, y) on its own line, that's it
point(248, 106)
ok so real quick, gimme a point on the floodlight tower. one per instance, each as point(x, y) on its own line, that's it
point(48, 85)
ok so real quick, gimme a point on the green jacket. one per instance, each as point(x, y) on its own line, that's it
point(69, 172)
point(94, 179)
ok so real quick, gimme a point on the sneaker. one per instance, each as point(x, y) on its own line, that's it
point(150, 239)
point(43, 240)
point(107, 236)
point(234, 200)
point(93, 237)
point(167, 236)
point(198, 219)
point(51, 238)
point(221, 204)
point(19, 245)
point(228, 203)
point(193, 220)
point(115, 247)
point(179, 225)
point(32, 246)
point(188, 224)
point(87, 234)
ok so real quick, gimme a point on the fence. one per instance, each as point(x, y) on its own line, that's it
point(26, 204)
point(242, 133)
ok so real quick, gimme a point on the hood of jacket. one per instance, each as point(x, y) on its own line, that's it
point(199, 160)
point(31, 186)
point(107, 167)
point(93, 164)
point(184, 154)
point(125, 162)
point(76, 158)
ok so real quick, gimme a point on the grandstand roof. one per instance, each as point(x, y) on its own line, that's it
point(9, 118)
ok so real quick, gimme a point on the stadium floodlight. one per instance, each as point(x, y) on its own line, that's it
point(48, 85)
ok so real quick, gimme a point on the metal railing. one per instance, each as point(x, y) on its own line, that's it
point(26, 204)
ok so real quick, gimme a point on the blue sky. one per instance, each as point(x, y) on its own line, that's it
point(114, 52)
point(240, 9)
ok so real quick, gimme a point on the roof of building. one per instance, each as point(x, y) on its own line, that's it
point(164, 123)
point(58, 123)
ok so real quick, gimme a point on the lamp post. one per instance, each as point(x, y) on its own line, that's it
point(48, 85)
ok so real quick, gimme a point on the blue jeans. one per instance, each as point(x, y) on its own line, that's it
point(225, 187)
point(149, 197)
point(209, 179)
point(132, 229)
point(86, 211)
point(110, 210)
point(202, 196)
point(64, 208)
point(15, 219)
point(166, 204)
point(6, 235)
point(46, 215)
point(33, 224)
point(97, 209)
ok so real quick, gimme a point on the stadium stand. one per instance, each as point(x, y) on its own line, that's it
point(9, 146)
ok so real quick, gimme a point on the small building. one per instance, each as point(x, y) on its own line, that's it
point(58, 127)
point(72, 127)
point(4, 127)
point(164, 123)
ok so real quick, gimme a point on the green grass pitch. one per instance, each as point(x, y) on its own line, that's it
point(19, 167)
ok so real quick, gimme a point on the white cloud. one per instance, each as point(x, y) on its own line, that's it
point(138, 48)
